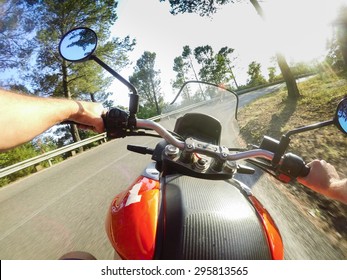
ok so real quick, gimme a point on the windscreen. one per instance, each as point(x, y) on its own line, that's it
point(217, 102)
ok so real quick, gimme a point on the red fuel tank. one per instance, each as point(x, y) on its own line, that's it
point(131, 222)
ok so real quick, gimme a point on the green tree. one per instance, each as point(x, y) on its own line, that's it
point(272, 74)
point(147, 81)
point(207, 7)
point(187, 56)
point(201, 7)
point(226, 62)
point(204, 55)
point(54, 76)
point(302, 68)
point(336, 57)
point(255, 76)
point(215, 68)
point(180, 67)
point(184, 67)
point(16, 27)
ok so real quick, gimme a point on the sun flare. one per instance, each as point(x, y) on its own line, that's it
point(300, 29)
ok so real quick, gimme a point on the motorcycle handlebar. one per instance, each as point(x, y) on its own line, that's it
point(161, 131)
point(181, 145)
point(116, 123)
point(291, 165)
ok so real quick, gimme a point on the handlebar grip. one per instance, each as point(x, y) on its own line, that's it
point(116, 123)
point(293, 166)
point(304, 171)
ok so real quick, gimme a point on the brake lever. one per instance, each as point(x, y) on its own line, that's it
point(243, 169)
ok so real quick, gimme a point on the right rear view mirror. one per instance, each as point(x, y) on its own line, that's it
point(341, 115)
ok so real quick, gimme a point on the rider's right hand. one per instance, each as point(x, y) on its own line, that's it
point(323, 178)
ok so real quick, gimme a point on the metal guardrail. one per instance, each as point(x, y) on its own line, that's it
point(49, 155)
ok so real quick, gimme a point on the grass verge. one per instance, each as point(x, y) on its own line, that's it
point(275, 114)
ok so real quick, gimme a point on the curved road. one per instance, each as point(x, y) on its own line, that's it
point(63, 208)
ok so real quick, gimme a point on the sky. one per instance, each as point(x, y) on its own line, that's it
point(297, 28)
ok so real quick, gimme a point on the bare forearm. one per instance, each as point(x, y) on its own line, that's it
point(24, 117)
point(323, 178)
point(338, 190)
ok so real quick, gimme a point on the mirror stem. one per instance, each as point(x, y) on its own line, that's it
point(285, 139)
point(114, 73)
point(309, 127)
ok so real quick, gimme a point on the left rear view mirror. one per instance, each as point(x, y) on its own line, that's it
point(78, 44)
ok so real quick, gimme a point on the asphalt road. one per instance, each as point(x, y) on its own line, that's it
point(63, 208)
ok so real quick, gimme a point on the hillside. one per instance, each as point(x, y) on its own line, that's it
point(274, 114)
